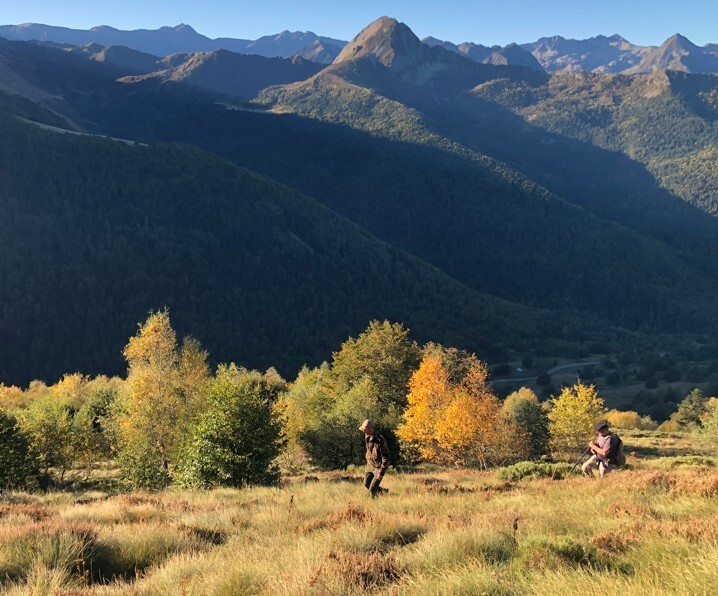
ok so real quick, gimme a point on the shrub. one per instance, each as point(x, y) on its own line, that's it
point(48, 425)
point(18, 466)
point(531, 470)
point(691, 410)
point(630, 420)
point(531, 417)
point(237, 440)
point(139, 467)
point(367, 379)
point(543, 379)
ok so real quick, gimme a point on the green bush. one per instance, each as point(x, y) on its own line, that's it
point(141, 468)
point(531, 470)
point(18, 466)
point(531, 417)
point(237, 440)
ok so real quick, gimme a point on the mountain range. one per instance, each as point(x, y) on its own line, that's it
point(167, 40)
point(600, 54)
point(276, 204)
point(509, 55)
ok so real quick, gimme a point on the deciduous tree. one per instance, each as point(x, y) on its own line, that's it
point(458, 420)
point(18, 465)
point(236, 441)
point(163, 396)
point(572, 416)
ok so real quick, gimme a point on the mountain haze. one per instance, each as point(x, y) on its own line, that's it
point(597, 54)
point(182, 39)
point(321, 52)
point(677, 53)
point(504, 56)
point(238, 75)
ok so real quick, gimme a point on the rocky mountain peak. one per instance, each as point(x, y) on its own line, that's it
point(388, 41)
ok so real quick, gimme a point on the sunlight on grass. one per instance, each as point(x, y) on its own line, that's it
point(647, 530)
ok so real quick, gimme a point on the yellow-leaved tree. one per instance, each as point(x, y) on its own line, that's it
point(453, 416)
point(164, 394)
point(572, 417)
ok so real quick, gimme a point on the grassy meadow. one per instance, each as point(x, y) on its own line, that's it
point(648, 529)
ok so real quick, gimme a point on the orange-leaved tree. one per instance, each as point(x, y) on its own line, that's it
point(430, 393)
point(454, 417)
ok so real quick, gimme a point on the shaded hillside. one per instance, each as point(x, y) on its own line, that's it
point(95, 233)
point(237, 75)
point(457, 209)
point(430, 191)
point(129, 60)
point(353, 93)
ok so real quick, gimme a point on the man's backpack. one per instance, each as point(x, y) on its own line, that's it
point(616, 456)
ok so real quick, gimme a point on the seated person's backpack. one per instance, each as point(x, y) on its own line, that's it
point(616, 457)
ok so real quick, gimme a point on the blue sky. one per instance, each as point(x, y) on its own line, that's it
point(647, 22)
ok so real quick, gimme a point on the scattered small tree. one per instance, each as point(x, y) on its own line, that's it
point(236, 441)
point(18, 465)
point(458, 420)
point(524, 408)
point(691, 410)
point(368, 378)
point(709, 430)
point(543, 379)
point(48, 424)
point(92, 429)
point(385, 355)
point(630, 420)
point(163, 397)
point(572, 416)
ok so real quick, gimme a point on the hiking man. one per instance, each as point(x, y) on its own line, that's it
point(377, 458)
point(600, 451)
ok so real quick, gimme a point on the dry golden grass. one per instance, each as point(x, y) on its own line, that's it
point(651, 529)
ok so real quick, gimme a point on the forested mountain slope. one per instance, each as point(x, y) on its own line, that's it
point(94, 233)
point(425, 149)
point(475, 203)
point(667, 121)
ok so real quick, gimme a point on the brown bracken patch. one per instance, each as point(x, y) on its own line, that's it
point(705, 486)
point(352, 513)
point(631, 510)
point(658, 480)
point(694, 529)
point(365, 570)
point(614, 543)
point(31, 511)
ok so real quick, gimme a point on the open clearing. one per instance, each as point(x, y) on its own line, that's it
point(650, 529)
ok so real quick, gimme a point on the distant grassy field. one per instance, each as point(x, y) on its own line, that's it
point(650, 529)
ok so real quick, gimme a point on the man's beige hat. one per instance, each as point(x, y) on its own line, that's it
point(366, 424)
